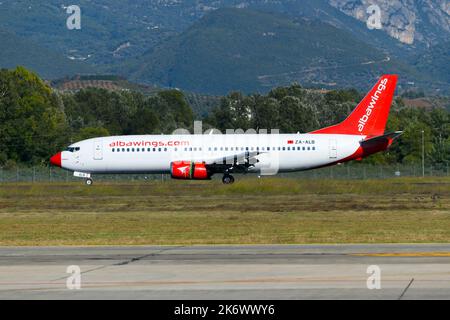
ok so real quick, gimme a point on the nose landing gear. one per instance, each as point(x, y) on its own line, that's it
point(227, 179)
point(86, 176)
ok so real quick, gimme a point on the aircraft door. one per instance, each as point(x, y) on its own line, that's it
point(333, 149)
point(98, 149)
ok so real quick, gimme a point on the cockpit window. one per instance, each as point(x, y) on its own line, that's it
point(73, 149)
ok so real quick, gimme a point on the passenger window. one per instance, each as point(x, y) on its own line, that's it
point(159, 149)
point(123, 149)
point(128, 149)
point(112, 149)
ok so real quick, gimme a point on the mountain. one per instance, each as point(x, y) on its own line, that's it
point(241, 49)
point(122, 35)
point(16, 51)
point(426, 22)
point(323, 11)
point(113, 31)
point(435, 62)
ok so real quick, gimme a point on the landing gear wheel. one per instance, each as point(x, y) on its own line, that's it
point(89, 182)
point(228, 179)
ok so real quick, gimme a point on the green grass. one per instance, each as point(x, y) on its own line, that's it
point(252, 211)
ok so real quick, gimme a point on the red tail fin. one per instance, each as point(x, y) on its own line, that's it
point(370, 116)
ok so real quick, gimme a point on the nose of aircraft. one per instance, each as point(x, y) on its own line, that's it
point(56, 160)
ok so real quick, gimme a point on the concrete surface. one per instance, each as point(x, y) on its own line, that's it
point(227, 272)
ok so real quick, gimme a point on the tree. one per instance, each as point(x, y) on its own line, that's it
point(32, 123)
point(266, 113)
point(409, 147)
point(296, 115)
point(439, 121)
point(101, 108)
point(144, 120)
point(172, 104)
point(90, 132)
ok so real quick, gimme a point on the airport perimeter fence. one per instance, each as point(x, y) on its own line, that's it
point(53, 174)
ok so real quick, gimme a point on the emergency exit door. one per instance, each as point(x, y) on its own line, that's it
point(98, 149)
point(333, 149)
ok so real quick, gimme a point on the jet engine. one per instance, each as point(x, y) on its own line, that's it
point(189, 170)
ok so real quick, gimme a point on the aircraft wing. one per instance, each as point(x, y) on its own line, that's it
point(246, 158)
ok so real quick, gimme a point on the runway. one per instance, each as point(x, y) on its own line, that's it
point(228, 272)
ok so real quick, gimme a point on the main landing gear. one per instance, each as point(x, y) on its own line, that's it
point(89, 182)
point(227, 179)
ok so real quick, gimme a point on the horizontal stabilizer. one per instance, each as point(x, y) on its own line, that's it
point(374, 145)
point(385, 139)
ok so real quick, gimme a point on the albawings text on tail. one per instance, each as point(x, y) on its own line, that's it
point(363, 120)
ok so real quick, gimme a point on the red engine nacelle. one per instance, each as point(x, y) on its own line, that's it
point(189, 170)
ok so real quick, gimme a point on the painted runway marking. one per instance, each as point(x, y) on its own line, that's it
point(403, 254)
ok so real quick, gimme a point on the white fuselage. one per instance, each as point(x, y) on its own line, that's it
point(155, 153)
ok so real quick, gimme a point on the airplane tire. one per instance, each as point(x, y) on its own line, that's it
point(89, 182)
point(228, 179)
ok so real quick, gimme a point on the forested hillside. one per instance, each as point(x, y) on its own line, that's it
point(235, 49)
point(49, 64)
point(262, 44)
point(36, 121)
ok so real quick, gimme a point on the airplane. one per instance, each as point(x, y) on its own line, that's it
point(199, 156)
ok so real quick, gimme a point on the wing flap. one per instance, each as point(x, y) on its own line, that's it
point(248, 157)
